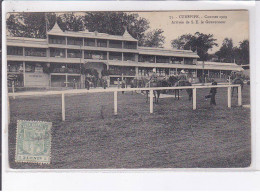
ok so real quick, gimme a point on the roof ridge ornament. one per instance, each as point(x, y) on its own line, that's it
point(126, 33)
point(56, 29)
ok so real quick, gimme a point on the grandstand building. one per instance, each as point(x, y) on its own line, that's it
point(67, 57)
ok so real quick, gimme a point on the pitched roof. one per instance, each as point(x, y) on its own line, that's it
point(55, 29)
point(167, 52)
point(127, 35)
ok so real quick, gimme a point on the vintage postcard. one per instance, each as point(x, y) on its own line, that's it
point(128, 90)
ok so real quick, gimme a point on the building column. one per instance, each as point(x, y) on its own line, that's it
point(136, 57)
point(122, 44)
point(107, 55)
point(176, 70)
point(23, 74)
point(183, 60)
point(95, 42)
point(136, 71)
point(155, 59)
point(220, 73)
point(196, 72)
point(107, 43)
point(66, 40)
point(122, 56)
point(48, 54)
point(23, 51)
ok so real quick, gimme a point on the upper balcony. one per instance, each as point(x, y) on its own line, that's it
point(57, 40)
point(36, 52)
point(73, 53)
point(14, 50)
point(75, 41)
point(95, 55)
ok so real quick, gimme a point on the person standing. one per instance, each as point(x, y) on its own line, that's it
point(123, 85)
point(212, 94)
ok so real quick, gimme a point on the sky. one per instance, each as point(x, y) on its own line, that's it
point(230, 24)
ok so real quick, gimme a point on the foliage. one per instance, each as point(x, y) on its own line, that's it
point(242, 53)
point(198, 42)
point(154, 38)
point(71, 22)
point(229, 53)
point(33, 25)
point(226, 52)
point(27, 25)
point(114, 23)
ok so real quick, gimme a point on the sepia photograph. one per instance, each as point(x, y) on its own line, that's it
point(128, 90)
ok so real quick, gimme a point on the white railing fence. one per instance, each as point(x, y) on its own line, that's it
point(116, 90)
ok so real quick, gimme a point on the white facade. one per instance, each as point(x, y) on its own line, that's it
point(63, 57)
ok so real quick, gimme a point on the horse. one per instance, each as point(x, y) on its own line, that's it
point(237, 81)
point(137, 83)
point(156, 93)
point(183, 83)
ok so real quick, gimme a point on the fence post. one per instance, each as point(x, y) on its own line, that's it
point(151, 101)
point(229, 97)
point(63, 106)
point(194, 98)
point(239, 95)
point(115, 102)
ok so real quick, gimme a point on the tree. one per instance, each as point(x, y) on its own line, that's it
point(226, 52)
point(241, 53)
point(198, 42)
point(115, 22)
point(71, 22)
point(154, 38)
point(27, 25)
point(33, 25)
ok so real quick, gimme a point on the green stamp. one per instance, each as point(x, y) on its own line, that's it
point(33, 142)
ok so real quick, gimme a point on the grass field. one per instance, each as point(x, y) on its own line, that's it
point(174, 136)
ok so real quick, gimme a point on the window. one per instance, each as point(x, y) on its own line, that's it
point(115, 56)
point(176, 60)
point(130, 45)
point(162, 59)
point(146, 58)
point(37, 52)
point(188, 61)
point(101, 43)
point(129, 57)
point(74, 41)
point(74, 53)
point(15, 66)
point(57, 40)
point(56, 52)
point(115, 44)
point(89, 42)
point(95, 55)
point(12, 50)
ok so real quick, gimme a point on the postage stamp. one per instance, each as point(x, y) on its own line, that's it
point(33, 142)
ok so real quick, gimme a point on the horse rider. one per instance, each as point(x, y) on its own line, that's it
point(153, 77)
point(182, 75)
